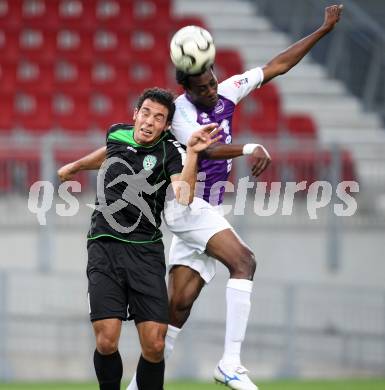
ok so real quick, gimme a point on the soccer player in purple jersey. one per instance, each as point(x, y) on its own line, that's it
point(201, 234)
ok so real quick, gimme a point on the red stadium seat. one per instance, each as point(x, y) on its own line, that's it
point(74, 45)
point(34, 111)
point(153, 42)
point(72, 77)
point(105, 77)
point(77, 14)
point(5, 174)
point(300, 125)
point(9, 45)
point(143, 72)
point(10, 14)
point(7, 77)
point(7, 112)
point(116, 80)
point(122, 15)
point(34, 76)
point(37, 44)
point(40, 14)
point(311, 165)
point(227, 63)
point(111, 46)
point(114, 14)
point(106, 110)
point(71, 112)
point(260, 112)
point(151, 13)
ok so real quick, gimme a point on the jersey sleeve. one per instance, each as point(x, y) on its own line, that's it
point(175, 158)
point(239, 86)
point(116, 127)
point(184, 122)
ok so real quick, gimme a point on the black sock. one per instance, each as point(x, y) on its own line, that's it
point(149, 376)
point(109, 370)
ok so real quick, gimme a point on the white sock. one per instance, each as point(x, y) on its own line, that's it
point(171, 336)
point(238, 294)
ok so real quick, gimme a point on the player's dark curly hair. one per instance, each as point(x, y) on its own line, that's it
point(183, 78)
point(159, 95)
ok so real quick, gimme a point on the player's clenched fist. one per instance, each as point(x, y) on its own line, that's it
point(66, 172)
point(332, 16)
point(261, 160)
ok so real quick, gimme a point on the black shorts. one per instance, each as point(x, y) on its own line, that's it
point(127, 281)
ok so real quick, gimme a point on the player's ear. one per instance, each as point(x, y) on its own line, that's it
point(135, 114)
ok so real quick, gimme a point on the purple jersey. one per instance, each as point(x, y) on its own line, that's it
point(189, 118)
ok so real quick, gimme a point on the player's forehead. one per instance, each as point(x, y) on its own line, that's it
point(154, 107)
point(203, 79)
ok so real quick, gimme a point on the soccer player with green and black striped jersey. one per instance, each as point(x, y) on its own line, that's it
point(126, 265)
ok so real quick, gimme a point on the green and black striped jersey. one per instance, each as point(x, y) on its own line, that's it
point(132, 186)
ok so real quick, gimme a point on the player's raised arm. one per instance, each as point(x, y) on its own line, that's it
point(91, 161)
point(284, 61)
point(261, 157)
point(184, 184)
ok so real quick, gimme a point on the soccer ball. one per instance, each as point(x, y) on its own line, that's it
point(192, 49)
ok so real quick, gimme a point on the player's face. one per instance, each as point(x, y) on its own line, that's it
point(203, 89)
point(150, 122)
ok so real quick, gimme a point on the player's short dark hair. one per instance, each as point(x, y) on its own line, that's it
point(159, 95)
point(183, 78)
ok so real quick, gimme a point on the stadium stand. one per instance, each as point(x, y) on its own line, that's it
point(71, 67)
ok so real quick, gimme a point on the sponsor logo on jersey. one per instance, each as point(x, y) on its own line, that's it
point(149, 162)
point(219, 107)
point(240, 82)
point(225, 125)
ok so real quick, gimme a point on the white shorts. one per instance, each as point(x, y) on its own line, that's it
point(193, 226)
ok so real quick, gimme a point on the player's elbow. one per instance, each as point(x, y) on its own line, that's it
point(282, 68)
point(183, 195)
point(185, 199)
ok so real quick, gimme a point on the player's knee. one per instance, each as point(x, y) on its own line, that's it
point(106, 345)
point(246, 265)
point(181, 303)
point(153, 350)
point(180, 307)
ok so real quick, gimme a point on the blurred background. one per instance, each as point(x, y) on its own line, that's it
point(71, 68)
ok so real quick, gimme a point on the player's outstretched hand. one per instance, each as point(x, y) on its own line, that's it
point(204, 137)
point(332, 16)
point(66, 172)
point(261, 160)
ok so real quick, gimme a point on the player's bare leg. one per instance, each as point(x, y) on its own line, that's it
point(152, 339)
point(107, 360)
point(227, 247)
point(150, 370)
point(184, 287)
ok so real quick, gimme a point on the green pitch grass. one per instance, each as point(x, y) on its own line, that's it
point(351, 384)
